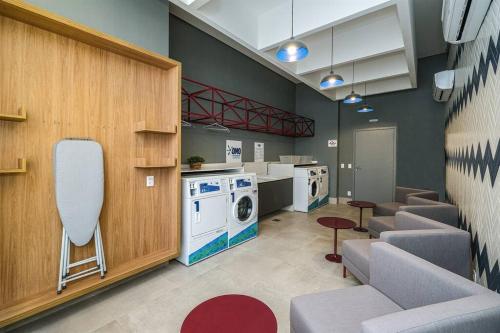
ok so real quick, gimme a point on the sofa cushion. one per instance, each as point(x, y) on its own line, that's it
point(379, 224)
point(357, 251)
point(341, 310)
point(387, 208)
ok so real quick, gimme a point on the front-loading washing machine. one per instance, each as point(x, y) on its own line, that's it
point(242, 212)
point(305, 188)
point(204, 232)
point(323, 196)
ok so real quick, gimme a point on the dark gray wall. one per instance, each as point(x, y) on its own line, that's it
point(212, 62)
point(140, 22)
point(324, 111)
point(420, 131)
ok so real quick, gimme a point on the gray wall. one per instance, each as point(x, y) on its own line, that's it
point(140, 22)
point(324, 111)
point(420, 131)
point(207, 60)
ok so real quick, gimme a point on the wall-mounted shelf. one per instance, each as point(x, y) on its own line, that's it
point(21, 168)
point(144, 163)
point(143, 127)
point(21, 116)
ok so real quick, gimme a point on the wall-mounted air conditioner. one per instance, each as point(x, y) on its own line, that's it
point(443, 85)
point(462, 19)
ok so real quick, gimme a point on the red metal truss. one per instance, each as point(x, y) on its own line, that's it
point(205, 104)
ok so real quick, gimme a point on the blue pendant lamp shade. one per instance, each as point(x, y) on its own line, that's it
point(292, 50)
point(331, 80)
point(365, 108)
point(353, 98)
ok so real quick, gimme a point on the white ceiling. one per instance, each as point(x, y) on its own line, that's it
point(378, 35)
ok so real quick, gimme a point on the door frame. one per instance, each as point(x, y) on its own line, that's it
point(354, 156)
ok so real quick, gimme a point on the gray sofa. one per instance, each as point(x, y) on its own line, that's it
point(401, 199)
point(435, 210)
point(439, 243)
point(405, 294)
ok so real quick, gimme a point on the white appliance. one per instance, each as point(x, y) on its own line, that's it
point(205, 200)
point(305, 188)
point(442, 86)
point(324, 192)
point(242, 212)
point(462, 19)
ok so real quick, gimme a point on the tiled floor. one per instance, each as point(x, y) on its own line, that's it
point(285, 260)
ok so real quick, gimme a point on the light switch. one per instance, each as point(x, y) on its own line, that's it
point(348, 193)
point(349, 166)
point(342, 165)
point(150, 181)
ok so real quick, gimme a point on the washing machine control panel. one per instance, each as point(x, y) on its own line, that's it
point(312, 173)
point(243, 182)
point(206, 186)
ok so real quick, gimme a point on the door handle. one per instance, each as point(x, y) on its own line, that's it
point(357, 168)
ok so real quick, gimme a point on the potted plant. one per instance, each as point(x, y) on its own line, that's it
point(195, 162)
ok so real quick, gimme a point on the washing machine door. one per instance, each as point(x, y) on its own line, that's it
point(313, 188)
point(244, 209)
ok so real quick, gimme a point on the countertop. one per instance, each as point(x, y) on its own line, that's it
point(266, 179)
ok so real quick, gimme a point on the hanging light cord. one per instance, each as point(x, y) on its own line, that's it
point(366, 100)
point(352, 83)
point(292, 19)
point(331, 63)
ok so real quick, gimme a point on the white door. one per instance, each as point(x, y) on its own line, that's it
point(208, 214)
point(375, 164)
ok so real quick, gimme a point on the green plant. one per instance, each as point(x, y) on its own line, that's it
point(195, 159)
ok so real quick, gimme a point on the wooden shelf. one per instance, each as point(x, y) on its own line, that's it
point(143, 127)
point(21, 116)
point(144, 163)
point(21, 168)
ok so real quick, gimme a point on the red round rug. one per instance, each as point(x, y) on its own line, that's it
point(230, 313)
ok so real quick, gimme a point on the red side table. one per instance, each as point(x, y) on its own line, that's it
point(229, 314)
point(361, 205)
point(335, 223)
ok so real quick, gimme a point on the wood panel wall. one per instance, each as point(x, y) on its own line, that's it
point(73, 89)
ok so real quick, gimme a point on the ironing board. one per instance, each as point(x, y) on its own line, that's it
point(79, 193)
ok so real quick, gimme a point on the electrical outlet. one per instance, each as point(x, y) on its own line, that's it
point(348, 193)
point(349, 166)
point(150, 181)
point(342, 165)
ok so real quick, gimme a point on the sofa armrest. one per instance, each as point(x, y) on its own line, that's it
point(431, 195)
point(403, 192)
point(407, 221)
point(480, 313)
point(411, 282)
point(449, 249)
point(447, 214)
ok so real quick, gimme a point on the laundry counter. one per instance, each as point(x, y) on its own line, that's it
point(275, 193)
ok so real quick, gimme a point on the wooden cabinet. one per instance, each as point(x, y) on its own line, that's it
point(76, 82)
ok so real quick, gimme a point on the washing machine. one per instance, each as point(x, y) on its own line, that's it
point(242, 213)
point(205, 200)
point(323, 196)
point(305, 188)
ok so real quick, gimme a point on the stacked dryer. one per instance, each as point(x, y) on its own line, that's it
point(305, 188)
point(324, 192)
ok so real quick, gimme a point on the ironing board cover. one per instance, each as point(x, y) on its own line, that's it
point(79, 186)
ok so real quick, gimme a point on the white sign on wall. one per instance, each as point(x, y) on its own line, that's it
point(258, 152)
point(233, 151)
point(332, 143)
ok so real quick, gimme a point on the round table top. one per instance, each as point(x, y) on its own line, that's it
point(336, 222)
point(361, 204)
point(230, 313)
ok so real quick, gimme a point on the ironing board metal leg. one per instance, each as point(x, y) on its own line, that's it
point(103, 257)
point(61, 264)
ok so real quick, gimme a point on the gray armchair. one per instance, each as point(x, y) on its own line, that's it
point(435, 210)
point(401, 199)
point(405, 294)
point(439, 243)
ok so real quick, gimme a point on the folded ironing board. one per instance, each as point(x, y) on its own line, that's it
point(79, 188)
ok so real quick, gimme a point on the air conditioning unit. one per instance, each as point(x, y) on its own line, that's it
point(462, 19)
point(443, 85)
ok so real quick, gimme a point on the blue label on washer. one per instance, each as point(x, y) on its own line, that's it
point(206, 188)
point(243, 183)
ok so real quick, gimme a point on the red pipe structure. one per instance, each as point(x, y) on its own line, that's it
point(206, 104)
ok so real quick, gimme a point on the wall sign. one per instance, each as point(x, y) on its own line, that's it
point(332, 143)
point(233, 151)
point(258, 152)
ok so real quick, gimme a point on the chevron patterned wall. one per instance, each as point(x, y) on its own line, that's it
point(472, 144)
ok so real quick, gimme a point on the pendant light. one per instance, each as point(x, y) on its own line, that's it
point(352, 98)
point(331, 80)
point(292, 50)
point(365, 108)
